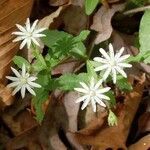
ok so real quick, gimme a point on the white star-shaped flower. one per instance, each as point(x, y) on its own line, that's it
point(28, 34)
point(112, 63)
point(22, 81)
point(93, 93)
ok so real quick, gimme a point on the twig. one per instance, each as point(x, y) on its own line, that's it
point(136, 10)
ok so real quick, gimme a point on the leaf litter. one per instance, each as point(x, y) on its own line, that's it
point(64, 125)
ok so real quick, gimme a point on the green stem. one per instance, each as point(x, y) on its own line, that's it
point(38, 55)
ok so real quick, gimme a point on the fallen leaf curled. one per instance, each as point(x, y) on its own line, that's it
point(102, 22)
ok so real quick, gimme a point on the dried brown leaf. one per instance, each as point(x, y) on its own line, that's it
point(57, 2)
point(102, 22)
point(142, 144)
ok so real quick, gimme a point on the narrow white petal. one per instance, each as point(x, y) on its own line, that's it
point(13, 84)
point(23, 90)
point(103, 90)
point(15, 72)
point(122, 58)
point(23, 70)
point(21, 28)
point(29, 43)
point(119, 53)
point(32, 79)
point(101, 67)
point(24, 42)
point(30, 90)
point(16, 90)
point(106, 74)
point(102, 96)
point(93, 104)
point(19, 38)
point(101, 60)
point(98, 84)
point(125, 65)
point(28, 25)
point(92, 83)
point(84, 85)
point(37, 35)
point(33, 84)
point(111, 51)
point(114, 75)
point(35, 41)
point(12, 78)
point(39, 30)
point(85, 103)
point(81, 90)
point(103, 52)
point(19, 33)
point(121, 72)
point(34, 25)
point(99, 101)
point(82, 98)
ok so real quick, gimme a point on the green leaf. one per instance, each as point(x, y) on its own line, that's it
point(111, 95)
point(82, 36)
point(90, 5)
point(52, 36)
point(41, 97)
point(70, 81)
point(90, 70)
point(144, 35)
point(123, 84)
point(79, 50)
point(19, 61)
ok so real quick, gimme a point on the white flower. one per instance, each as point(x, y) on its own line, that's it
point(92, 93)
point(28, 34)
point(22, 81)
point(112, 63)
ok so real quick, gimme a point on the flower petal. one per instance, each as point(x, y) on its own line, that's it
point(84, 85)
point(21, 28)
point(121, 72)
point(19, 38)
point(101, 67)
point(24, 42)
point(23, 70)
point(122, 58)
point(32, 79)
point(114, 75)
point(103, 52)
point(93, 104)
point(111, 51)
point(98, 84)
point(85, 103)
point(81, 90)
point(33, 84)
point(119, 53)
point(13, 84)
point(12, 78)
point(103, 90)
point(99, 101)
point(28, 28)
point(125, 65)
point(23, 90)
point(39, 30)
point(82, 98)
point(16, 90)
point(34, 25)
point(30, 90)
point(101, 60)
point(92, 83)
point(102, 96)
point(106, 74)
point(35, 41)
point(16, 72)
